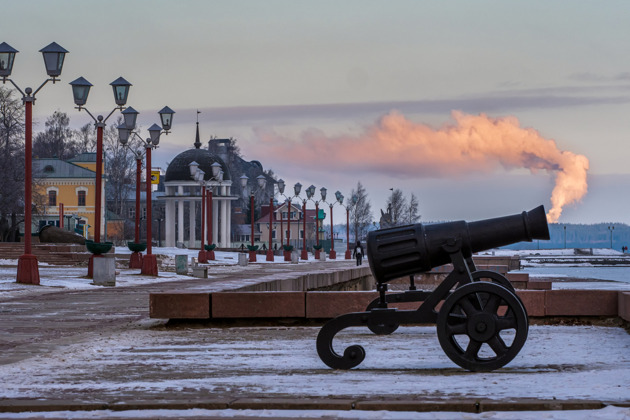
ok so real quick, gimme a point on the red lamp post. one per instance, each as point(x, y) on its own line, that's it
point(80, 90)
point(135, 260)
point(61, 215)
point(353, 202)
point(53, 54)
point(269, 250)
point(199, 177)
point(262, 183)
point(296, 190)
point(149, 262)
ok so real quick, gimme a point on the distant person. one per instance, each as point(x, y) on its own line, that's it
point(358, 253)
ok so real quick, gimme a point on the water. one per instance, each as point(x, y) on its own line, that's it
point(620, 274)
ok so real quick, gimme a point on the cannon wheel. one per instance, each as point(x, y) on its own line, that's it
point(475, 315)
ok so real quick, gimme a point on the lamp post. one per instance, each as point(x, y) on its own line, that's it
point(310, 191)
point(53, 54)
point(322, 192)
point(149, 262)
point(339, 197)
point(611, 229)
point(270, 256)
point(262, 183)
point(80, 91)
point(296, 190)
point(352, 203)
point(199, 175)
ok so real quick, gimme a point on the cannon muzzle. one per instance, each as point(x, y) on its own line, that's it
point(405, 250)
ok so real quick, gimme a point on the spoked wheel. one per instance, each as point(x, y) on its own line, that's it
point(494, 277)
point(482, 326)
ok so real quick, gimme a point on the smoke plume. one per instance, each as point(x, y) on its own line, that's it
point(397, 146)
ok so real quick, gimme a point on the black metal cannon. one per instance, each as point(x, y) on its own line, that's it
point(481, 322)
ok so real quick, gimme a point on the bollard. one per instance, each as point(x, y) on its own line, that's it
point(200, 271)
point(322, 256)
point(104, 271)
point(181, 264)
point(294, 257)
point(243, 259)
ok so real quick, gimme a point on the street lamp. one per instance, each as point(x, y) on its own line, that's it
point(296, 190)
point(310, 193)
point(80, 91)
point(261, 181)
point(199, 175)
point(149, 262)
point(54, 55)
point(611, 229)
point(353, 202)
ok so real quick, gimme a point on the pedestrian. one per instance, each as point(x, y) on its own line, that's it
point(358, 253)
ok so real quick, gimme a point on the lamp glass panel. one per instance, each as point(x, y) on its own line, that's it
point(53, 62)
point(6, 63)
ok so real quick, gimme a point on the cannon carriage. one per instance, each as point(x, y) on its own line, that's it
point(481, 322)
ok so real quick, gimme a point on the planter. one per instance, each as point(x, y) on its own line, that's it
point(98, 248)
point(137, 246)
point(210, 247)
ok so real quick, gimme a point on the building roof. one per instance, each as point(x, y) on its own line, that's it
point(84, 157)
point(178, 169)
point(56, 168)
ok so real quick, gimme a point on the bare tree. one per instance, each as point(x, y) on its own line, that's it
point(57, 140)
point(361, 213)
point(86, 138)
point(120, 164)
point(11, 164)
point(396, 205)
point(411, 212)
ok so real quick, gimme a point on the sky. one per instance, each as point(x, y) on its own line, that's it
point(480, 109)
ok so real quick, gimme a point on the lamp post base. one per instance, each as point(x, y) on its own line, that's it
point(210, 255)
point(135, 260)
point(270, 255)
point(202, 257)
point(287, 255)
point(332, 254)
point(27, 270)
point(348, 254)
point(317, 251)
point(304, 255)
point(252, 256)
point(149, 265)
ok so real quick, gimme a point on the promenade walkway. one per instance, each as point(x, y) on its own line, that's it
point(97, 349)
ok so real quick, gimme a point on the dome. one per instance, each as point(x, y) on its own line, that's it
point(178, 170)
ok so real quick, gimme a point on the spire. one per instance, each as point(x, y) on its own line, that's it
point(197, 141)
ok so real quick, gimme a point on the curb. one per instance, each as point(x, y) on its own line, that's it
point(306, 403)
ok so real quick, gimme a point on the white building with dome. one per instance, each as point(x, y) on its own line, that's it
point(183, 197)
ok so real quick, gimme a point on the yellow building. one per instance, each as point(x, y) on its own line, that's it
point(71, 183)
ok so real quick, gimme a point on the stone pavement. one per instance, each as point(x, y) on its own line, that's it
point(98, 349)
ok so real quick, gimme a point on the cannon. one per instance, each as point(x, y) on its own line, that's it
point(481, 322)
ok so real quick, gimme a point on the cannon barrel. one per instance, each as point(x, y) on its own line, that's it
point(404, 250)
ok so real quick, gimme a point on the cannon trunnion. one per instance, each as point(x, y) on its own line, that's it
point(481, 322)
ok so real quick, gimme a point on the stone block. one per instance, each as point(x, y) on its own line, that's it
point(258, 305)
point(539, 285)
point(511, 276)
point(200, 271)
point(581, 303)
point(104, 271)
point(623, 299)
point(243, 259)
point(534, 301)
point(333, 304)
point(181, 264)
point(179, 305)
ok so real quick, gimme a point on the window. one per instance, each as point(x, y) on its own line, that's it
point(273, 234)
point(301, 234)
point(81, 198)
point(52, 198)
point(144, 213)
point(132, 212)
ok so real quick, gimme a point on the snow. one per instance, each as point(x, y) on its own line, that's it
point(562, 362)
